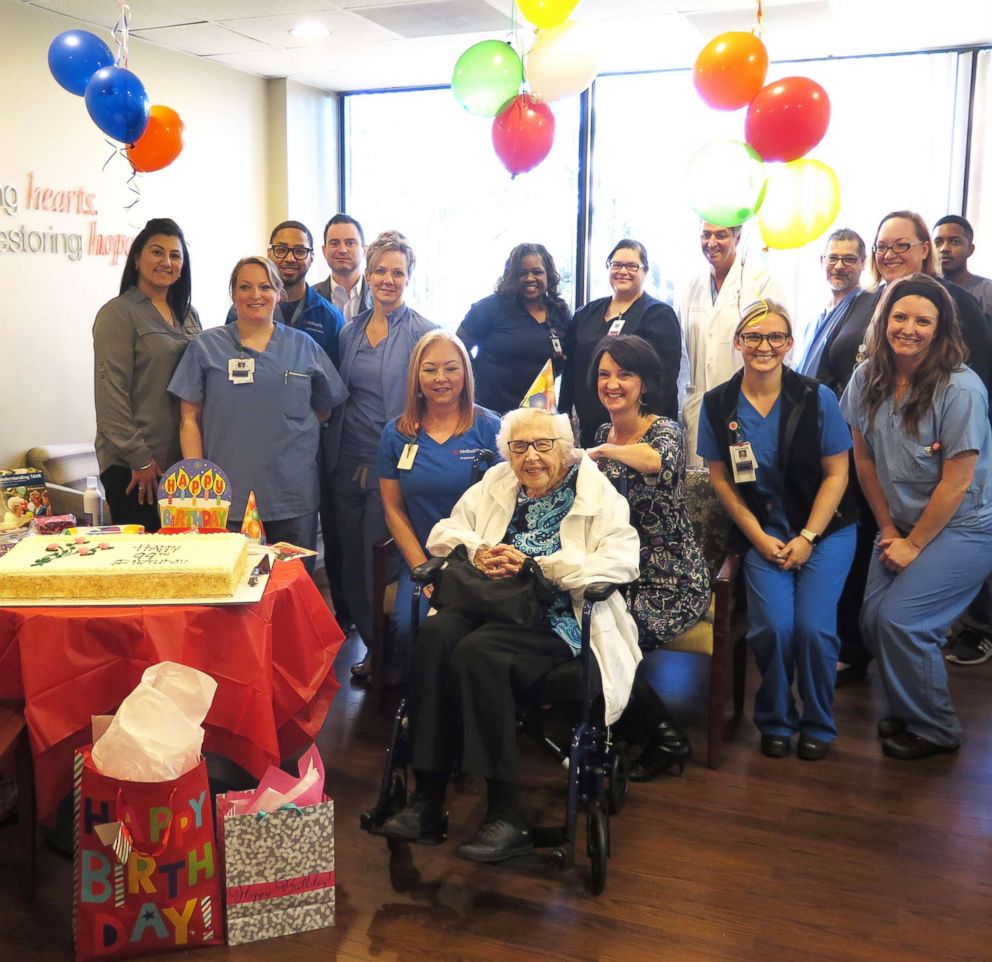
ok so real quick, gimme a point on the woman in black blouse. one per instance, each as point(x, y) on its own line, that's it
point(628, 311)
point(513, 333)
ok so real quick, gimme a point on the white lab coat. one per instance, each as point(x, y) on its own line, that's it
point(597, 544)
point(708, 331)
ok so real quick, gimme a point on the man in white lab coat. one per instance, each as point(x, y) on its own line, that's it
point(710, 311)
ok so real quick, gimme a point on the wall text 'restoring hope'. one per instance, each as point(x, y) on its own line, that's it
point(73, 245)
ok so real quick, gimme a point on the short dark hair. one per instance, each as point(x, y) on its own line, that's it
point(630, 244)
point(634, 354)
point(291, 225)
point(846, 234)
point(962, 222)
point(344, 219)
point(506, 286)
point(180, 293)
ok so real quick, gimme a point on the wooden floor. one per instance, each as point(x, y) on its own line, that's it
point(853, 858)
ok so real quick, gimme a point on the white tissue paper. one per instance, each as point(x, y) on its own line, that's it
point(156, 735)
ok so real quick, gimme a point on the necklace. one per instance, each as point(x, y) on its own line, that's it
point(635, 435)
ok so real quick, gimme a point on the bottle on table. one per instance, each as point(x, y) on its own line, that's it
point(92, 503)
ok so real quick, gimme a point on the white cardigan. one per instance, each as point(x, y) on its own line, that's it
point(597, 544)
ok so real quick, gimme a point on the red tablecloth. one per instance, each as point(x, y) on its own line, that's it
point(272, 661)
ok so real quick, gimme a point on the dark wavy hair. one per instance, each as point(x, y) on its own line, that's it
point(180, 293)
point(509, 286)
point(634, 354)
point(946, 354)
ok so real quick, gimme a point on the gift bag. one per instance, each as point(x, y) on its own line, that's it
point(278, 864)
point(146, 873)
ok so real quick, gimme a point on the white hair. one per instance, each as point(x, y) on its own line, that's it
point(559, 427)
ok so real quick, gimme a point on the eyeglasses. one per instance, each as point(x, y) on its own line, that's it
point(543, 445)
point(848, 260)
point(280, 252)
point(617, 266)
point(775, 339)
point(880, 250)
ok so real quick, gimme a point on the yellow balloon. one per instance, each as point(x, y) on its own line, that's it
point(801, 202)
point(563, 61)
point(547, 13)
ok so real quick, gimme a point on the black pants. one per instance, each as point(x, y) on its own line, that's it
point(852, 646)
point(124, 508)
point(468, 678)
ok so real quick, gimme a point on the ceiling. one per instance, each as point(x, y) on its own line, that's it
point(395, 43)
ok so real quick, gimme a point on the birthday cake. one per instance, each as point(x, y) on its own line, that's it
point(124, 566)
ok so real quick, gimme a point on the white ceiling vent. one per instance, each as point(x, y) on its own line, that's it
point(436, 19)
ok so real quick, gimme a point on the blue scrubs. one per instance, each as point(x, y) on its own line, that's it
point(264, 434)
point(906, 614)
point(792, 615)
point(440, 475)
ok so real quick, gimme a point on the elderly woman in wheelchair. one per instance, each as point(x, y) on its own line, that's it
point(547, 504)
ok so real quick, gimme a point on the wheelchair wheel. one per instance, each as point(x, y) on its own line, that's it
point(597, 828)
point(617, 782)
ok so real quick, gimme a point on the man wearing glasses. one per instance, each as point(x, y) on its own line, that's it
point(843, 261)
point(291, 250)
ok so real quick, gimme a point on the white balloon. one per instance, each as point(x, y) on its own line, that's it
point(563, 61)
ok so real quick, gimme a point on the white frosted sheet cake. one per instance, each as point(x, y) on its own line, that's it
point(124, 566)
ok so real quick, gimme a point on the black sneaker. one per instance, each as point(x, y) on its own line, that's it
point(970, 648)
point(496, 840)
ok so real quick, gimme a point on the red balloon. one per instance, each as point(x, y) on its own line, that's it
point(523, 133)
point(161, 143)
point(787, 119)
point(730, 70)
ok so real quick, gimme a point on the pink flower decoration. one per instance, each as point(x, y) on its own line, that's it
point(52, 547)
point(84, 551)
point(79, 541)
point(103, 545)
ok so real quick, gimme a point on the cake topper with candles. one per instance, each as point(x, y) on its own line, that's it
point(194, 494)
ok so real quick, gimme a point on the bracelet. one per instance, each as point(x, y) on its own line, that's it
point(811, 536)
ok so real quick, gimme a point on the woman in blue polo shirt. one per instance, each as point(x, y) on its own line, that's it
point(922, 450)
point(425, 464)
point(777, 451)
point(252, 396)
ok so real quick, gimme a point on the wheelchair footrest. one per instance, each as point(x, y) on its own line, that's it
point(547, 836)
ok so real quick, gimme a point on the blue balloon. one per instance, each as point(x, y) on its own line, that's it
point(118, 104)
point(74, 56)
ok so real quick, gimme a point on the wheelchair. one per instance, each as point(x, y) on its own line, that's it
point(598, 773)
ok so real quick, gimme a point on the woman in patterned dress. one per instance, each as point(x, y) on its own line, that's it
point(644, 456)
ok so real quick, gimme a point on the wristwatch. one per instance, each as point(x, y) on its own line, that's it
point(811, 536)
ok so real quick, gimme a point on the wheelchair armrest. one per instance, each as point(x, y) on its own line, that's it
point(424, 573)
point(729, 569)
point(599, 591)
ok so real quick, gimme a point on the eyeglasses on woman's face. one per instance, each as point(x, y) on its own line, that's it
point(880, 250)
point(542, 445)
point(753, 340)
point(628, 266)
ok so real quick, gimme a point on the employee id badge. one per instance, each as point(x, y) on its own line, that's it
point(241, 370)
point(405, 462)
point(743, 462)
point(616, 327)
point(556, 347)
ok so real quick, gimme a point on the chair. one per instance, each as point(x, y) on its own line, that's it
point(383, 606)
point(14, 743)
point(720, 632)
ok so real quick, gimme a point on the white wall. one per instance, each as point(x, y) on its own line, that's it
point(217, 190)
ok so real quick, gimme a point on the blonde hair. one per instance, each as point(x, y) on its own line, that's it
point(274, 279)
point(758, 311)
point(389, 240)
point(416, 403)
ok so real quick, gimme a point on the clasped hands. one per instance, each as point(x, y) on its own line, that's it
point(500, 561)
point(894, 551)
point(787, 555)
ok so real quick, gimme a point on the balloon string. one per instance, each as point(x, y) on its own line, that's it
point(132, 181)
point(120, 34)
point(759, 18)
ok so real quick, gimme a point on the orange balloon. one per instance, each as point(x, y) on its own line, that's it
point(161, 143)
point(730, 70)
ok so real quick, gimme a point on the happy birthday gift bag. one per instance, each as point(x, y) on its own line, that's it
point(277, 850)
point(146, 868)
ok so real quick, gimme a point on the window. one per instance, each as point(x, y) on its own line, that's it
point(416, 162)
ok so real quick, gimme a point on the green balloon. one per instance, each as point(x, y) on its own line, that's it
point(486, 77)
point(726, 182)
